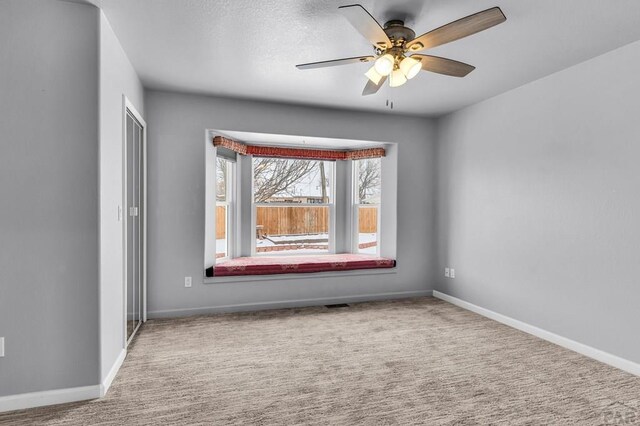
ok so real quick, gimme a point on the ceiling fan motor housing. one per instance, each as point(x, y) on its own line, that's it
point(398, 33)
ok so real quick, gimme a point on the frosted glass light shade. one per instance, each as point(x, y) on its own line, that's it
point(397, 78)
point(384, 64)
point(410, 67)
point(373, 75)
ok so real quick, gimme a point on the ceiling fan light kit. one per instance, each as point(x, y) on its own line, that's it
point(410, 67)
point(392, 43)
point(397, 78)
point(373, 75)
point(384, 64)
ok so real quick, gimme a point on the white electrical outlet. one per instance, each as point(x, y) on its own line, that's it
point(446, 272)
point(452, 272)
point(187, 281)
point(1, 347)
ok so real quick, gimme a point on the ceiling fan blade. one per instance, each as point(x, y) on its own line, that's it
point(366, 25)
point(371, 88)
point(458, 29)
point(335, 62)
point(444, 66)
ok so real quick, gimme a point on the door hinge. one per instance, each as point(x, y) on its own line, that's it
point(133, 211)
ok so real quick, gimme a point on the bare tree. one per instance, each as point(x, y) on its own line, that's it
point(368, 179)
point(221, 178)
point(323, 183)
point(274, 176)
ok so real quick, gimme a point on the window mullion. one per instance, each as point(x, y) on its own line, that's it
point(355, 208)
point(332, 228)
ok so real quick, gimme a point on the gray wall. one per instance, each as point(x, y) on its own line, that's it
point(49, 192)
point(538, 203)
point(176, 194)
point(117, 77)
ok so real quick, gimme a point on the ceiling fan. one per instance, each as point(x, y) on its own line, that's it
point(392, 43)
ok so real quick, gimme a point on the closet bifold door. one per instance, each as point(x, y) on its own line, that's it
point(134, 235)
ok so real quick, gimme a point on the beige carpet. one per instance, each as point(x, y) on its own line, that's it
point(419, 361)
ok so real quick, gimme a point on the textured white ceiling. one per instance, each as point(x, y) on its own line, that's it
point(248, 48)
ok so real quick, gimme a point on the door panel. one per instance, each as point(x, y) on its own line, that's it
point(136, 224)
point(130, 228)
point(135, 235)
point(140, 228)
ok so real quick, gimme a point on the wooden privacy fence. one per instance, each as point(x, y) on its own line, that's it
point(298, 220)
point(221, 219)
point(368, 220)
point(293, 220)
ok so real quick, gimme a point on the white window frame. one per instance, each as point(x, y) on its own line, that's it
point(355, 209)
point(332, 217)
point(229, 203)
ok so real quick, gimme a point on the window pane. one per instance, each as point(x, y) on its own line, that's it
point(222, 172)
point(369, 186)
point(293, 230)
point(222, 243)
point(277, 180)
point(367, 229)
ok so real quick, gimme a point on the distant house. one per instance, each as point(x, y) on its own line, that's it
point(298, 199)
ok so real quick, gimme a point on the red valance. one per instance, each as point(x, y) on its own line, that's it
point(282, 152)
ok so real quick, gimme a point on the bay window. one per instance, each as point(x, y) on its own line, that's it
point(293, 206)
point(277, 205)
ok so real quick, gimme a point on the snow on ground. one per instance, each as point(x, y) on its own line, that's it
point(366, 238)
point(293, 252)
point(368, 250)
point(306, 237)
point(264, 243)
point(221, 245)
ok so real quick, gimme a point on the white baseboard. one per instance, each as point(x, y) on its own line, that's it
point(106, 383)
point(259, 306)
point(39, 399)
point(61, 396)
point(597, 354)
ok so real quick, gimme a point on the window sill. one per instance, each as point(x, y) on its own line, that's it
point(309, 275)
